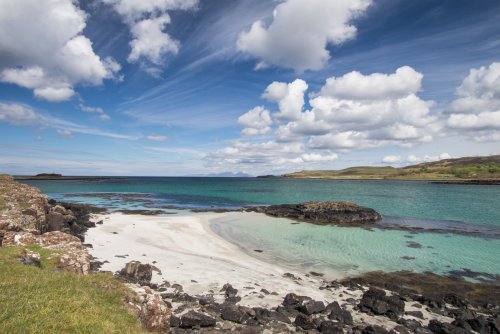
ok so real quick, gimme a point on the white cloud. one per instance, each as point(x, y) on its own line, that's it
point(150, 41)
point(65, 133)
point(257, 121)
point(43, 49)
point(290, 98)
point(476, 112)
point(386, 110)
point(298, 36)
point(390, 159)
point(148, 20)
point(376, 86)
point(16, 114)
point(157, 138)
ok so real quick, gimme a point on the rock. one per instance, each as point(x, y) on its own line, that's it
point(55, 222)
point(292, 300)
point(312, 307)
point(30, 258)
point(416, 314)
point(329, 327)
point(342, 316)
point(233, 313)
point(341, 213)
point(175, 321)
point(376, 330)
point(376, 301)
point(136, 272)
point(229, 290)
point(305, 322)
point(193, 319)
point(444, 328)
point(58, 209)
point(153, 313)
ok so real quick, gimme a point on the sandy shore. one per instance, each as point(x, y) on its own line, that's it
point(189, 253)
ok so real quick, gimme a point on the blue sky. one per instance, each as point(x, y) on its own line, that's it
point(194, 87)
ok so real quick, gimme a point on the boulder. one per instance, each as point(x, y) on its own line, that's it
point(329, 327)
point(136, 272)
point(233, 313)
point(305, 322)
point(376, 301)
point(55, 221)
point(194, 319)
point(153, 313)
point(340, 213)
point(312, 307)
point(292, 300)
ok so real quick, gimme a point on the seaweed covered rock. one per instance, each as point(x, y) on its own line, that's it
point(339, 213)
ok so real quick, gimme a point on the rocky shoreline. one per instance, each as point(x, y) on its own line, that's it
point(374, 303)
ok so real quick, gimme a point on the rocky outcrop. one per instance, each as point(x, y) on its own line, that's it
point(338, 213)
point(151, 310)
point(72, 255)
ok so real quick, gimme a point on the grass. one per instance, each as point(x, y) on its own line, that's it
point(48, 300)
point(3, 205)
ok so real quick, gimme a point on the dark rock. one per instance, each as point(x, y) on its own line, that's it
point(312, 307)
point(443, 328)
point(479, 324)
point(375, 330)
point(136, 272)
point(342, 213)
point(193, 319)
point(233, 313)
point(206, 300)
point(52, 201)
point(342, 316)
point(455, 300)
point(292, 300)
point(305, 322)
point(329, 327)
point(416, 314)
point(175, 321)
point(333, 306)
point(229, 290)
point(410, 323)
point(376, 301)
point(233, 300)
point(184, 298)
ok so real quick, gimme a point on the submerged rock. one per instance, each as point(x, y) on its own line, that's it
point(340, 213)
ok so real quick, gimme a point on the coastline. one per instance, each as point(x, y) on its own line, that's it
point(186, 249)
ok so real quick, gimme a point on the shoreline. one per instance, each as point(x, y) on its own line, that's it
point(186, 249)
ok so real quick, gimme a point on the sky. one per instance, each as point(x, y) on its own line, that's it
point(214, 87)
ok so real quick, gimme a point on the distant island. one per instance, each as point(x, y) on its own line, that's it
point(466, 170)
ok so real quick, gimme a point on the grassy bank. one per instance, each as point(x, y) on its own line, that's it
point(48, 300)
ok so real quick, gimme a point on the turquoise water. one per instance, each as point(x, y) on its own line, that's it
point(341, 251)
point(468, 204)
point(330, 249)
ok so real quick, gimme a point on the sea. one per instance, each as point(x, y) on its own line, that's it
point(445, 229)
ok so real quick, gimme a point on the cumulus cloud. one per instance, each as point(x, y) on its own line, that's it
point(476, 111)
point(290, 98)
point(257, 121)
point(157, 138)
point(300, 32)
point(148, 20)
point(383, 109)
point(43, 49)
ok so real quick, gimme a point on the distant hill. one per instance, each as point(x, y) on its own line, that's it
point(467, 168)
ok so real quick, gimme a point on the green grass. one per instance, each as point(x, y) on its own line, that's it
point(48, 300)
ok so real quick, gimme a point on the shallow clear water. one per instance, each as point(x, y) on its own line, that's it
point(330, 249)
point(344, 251)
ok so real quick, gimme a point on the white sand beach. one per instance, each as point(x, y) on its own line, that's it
point(189, 253)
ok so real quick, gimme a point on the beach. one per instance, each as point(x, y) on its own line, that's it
point(189, 253)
